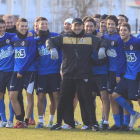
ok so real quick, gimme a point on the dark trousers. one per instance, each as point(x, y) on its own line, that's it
point(67, 94)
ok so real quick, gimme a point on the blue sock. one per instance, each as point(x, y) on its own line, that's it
point(126, 120)
point(32, 116)
point(125, 105)
point(45, 105)
point(121, 114)
point(131, 105)
point(11, 111)
point(2, 110)
point(116, 118)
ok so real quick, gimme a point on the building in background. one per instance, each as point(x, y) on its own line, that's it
point(57, 10)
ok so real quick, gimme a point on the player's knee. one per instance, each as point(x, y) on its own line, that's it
point(104, 95)
point(115, 95)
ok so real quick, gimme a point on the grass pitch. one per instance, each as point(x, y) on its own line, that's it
point(76, 134)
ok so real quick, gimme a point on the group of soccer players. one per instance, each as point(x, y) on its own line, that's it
point(56, 63)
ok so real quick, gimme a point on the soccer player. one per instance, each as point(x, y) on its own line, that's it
point(35, 31)
point(116, 63)
point(100, 71)
point(129, 82)
point(24, 67)
point(6, 70)
point(48, 71)
point(77, 49)
point(103, 28)
point(121, 19)
point(97, 17)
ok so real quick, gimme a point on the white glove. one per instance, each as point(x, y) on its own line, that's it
point(54, 54)
point(101, 53)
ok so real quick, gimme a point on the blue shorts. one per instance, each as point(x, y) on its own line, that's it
point(99, 83)
point(26, 82)
point(128, 89)
point(48, 83)
point(5, 78)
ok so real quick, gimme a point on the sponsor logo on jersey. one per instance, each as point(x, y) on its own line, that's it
point(6, 53)
point(43, 51)
point(82, 40)
point(131, 57)
point(22, 43)
point(112, 43)
point(131, 47)
point(7, 41)
point(112, 53)
point(20, 54)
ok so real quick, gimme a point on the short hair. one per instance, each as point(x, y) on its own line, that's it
point(8, 16)
point(41, 19)
point(114, 18)
point(37, 19)
point(97, 16)
point(90, 20)
point(103, 17)
point(2, 21)
point(126, 18)
point(85, 18)
point(21, 20)
point(125, 24)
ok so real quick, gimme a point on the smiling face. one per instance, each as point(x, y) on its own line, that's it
point(89, 27)
point(67, 27)
point(9, 23)
point(23, 27)
point(103, 27)
point(111, 26)
point(43, 25)
point(77, 28)
point(124, 33)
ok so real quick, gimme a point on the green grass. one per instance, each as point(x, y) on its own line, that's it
point(45, 134)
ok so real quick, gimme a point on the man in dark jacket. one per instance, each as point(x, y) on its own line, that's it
point(77, 49)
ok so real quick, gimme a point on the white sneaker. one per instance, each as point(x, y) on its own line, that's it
point(9, 124)
point(84, 127)
point(133, 119)
point(3, 124)
point(66, 126)
point(77, 122)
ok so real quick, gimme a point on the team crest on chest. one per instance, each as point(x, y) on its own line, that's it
point(131, 47)
point(112, 43)
point(22, 43)
point(82, 40)
point(7, 41)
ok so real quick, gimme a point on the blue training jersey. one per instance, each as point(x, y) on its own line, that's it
point(25, 51)
point(102, 69)
point(115, 52)
point(6, 53)
point(132, 51)
point(46, 65)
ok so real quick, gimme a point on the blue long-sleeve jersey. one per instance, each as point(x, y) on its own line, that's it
point(25, 51)
point(115, 52)
point(6, 53)
point(102, 69)
point(132, 51)
point(45, 65)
